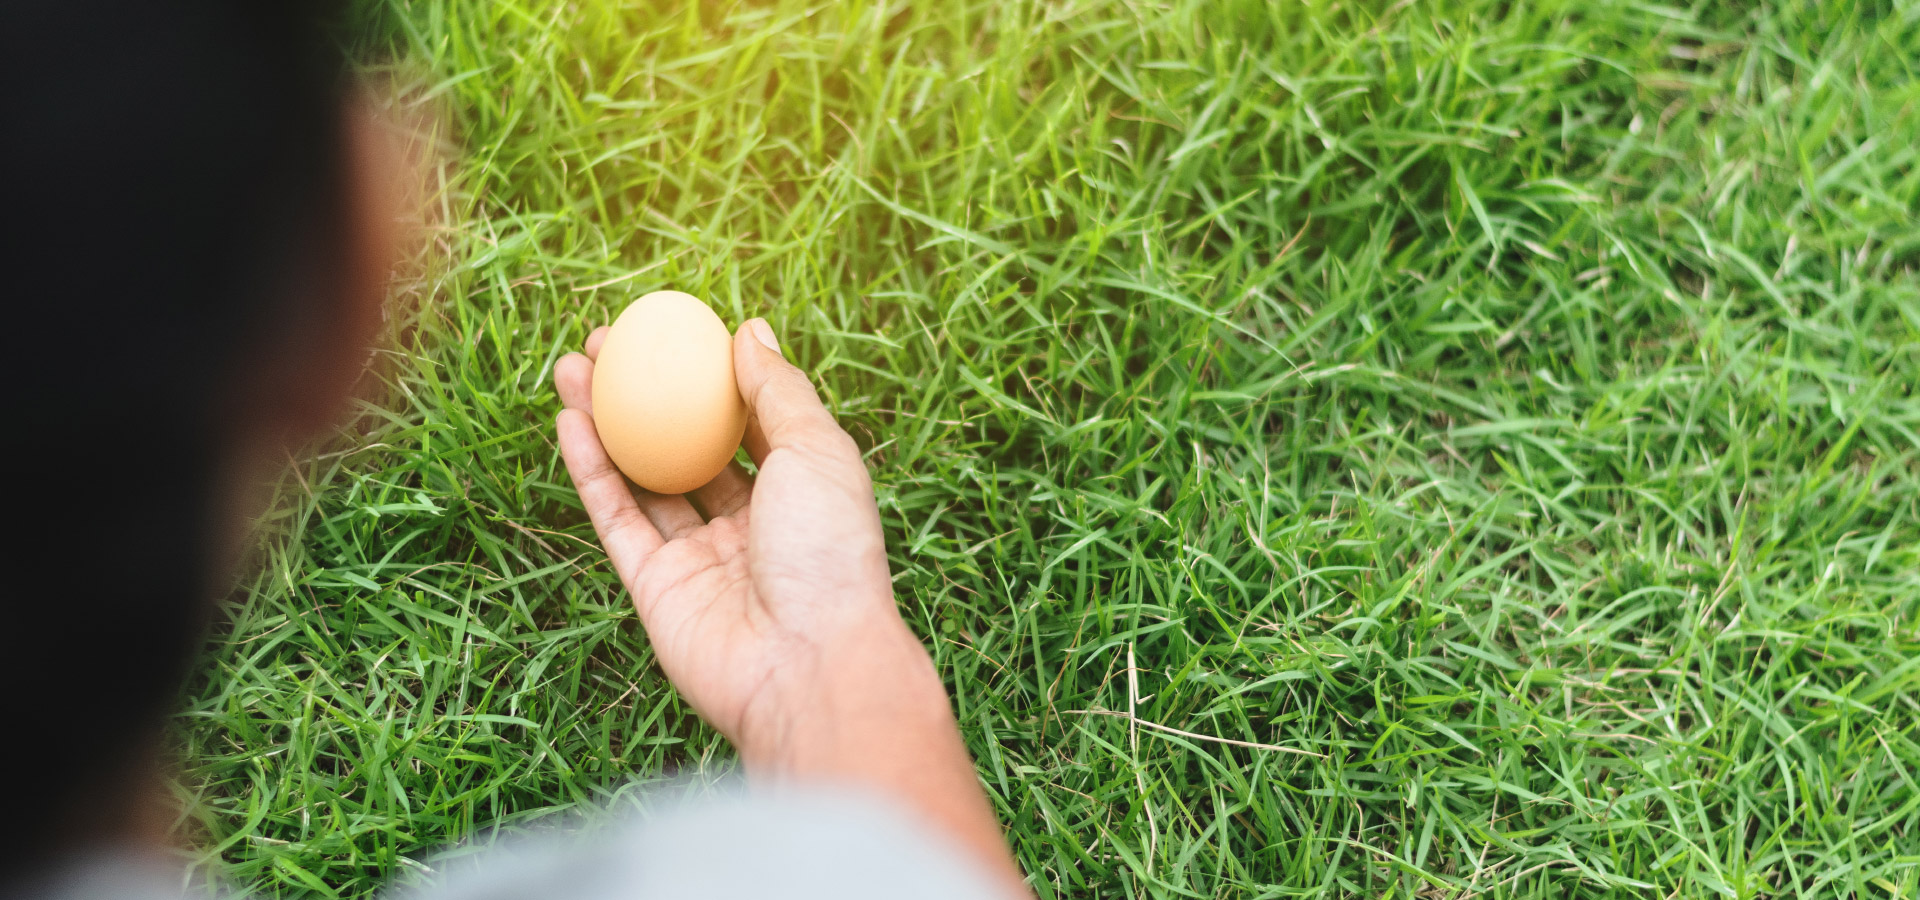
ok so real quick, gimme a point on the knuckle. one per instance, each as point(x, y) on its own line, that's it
point(787, 386)
point(826, 441)
point(601, 470)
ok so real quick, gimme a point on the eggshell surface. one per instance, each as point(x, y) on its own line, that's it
point(664, 397)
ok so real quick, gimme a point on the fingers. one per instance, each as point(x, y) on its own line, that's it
point(670, 513)
point(573, 381)
point(627, 533)
point(785, 409)
point(631, 523)
point(573, 374)
point(603, 489)
point(755, 440)
point(726, 494)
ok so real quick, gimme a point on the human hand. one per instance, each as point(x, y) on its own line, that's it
point(750, 584)
point(769, 605)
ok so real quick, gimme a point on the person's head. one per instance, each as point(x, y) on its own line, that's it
point(195, 252)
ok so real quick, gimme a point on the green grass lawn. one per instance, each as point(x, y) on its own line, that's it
point(1476, 441)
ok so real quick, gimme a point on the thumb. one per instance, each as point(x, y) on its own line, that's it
point(785, 410)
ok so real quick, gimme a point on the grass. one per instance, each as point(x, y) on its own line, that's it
point(1508, 405)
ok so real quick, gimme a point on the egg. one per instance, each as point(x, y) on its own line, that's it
point(664, 397)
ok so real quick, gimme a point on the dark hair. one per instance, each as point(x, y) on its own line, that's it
point(173, 197)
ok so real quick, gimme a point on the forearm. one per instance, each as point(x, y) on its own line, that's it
point(877, 717)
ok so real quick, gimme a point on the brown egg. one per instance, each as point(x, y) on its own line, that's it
point(664, 398)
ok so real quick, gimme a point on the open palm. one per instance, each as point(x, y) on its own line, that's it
point(745, 583)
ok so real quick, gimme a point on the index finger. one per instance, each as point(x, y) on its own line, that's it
point(625, 531)
point(595, 340)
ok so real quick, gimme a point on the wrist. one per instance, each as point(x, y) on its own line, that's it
point(821, 715)
point(872, 714)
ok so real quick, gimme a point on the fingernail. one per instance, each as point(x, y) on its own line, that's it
point(764, 332)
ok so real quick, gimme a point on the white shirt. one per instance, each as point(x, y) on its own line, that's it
point(798, 843)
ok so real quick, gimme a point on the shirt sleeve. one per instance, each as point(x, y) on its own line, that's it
point(798, 843)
